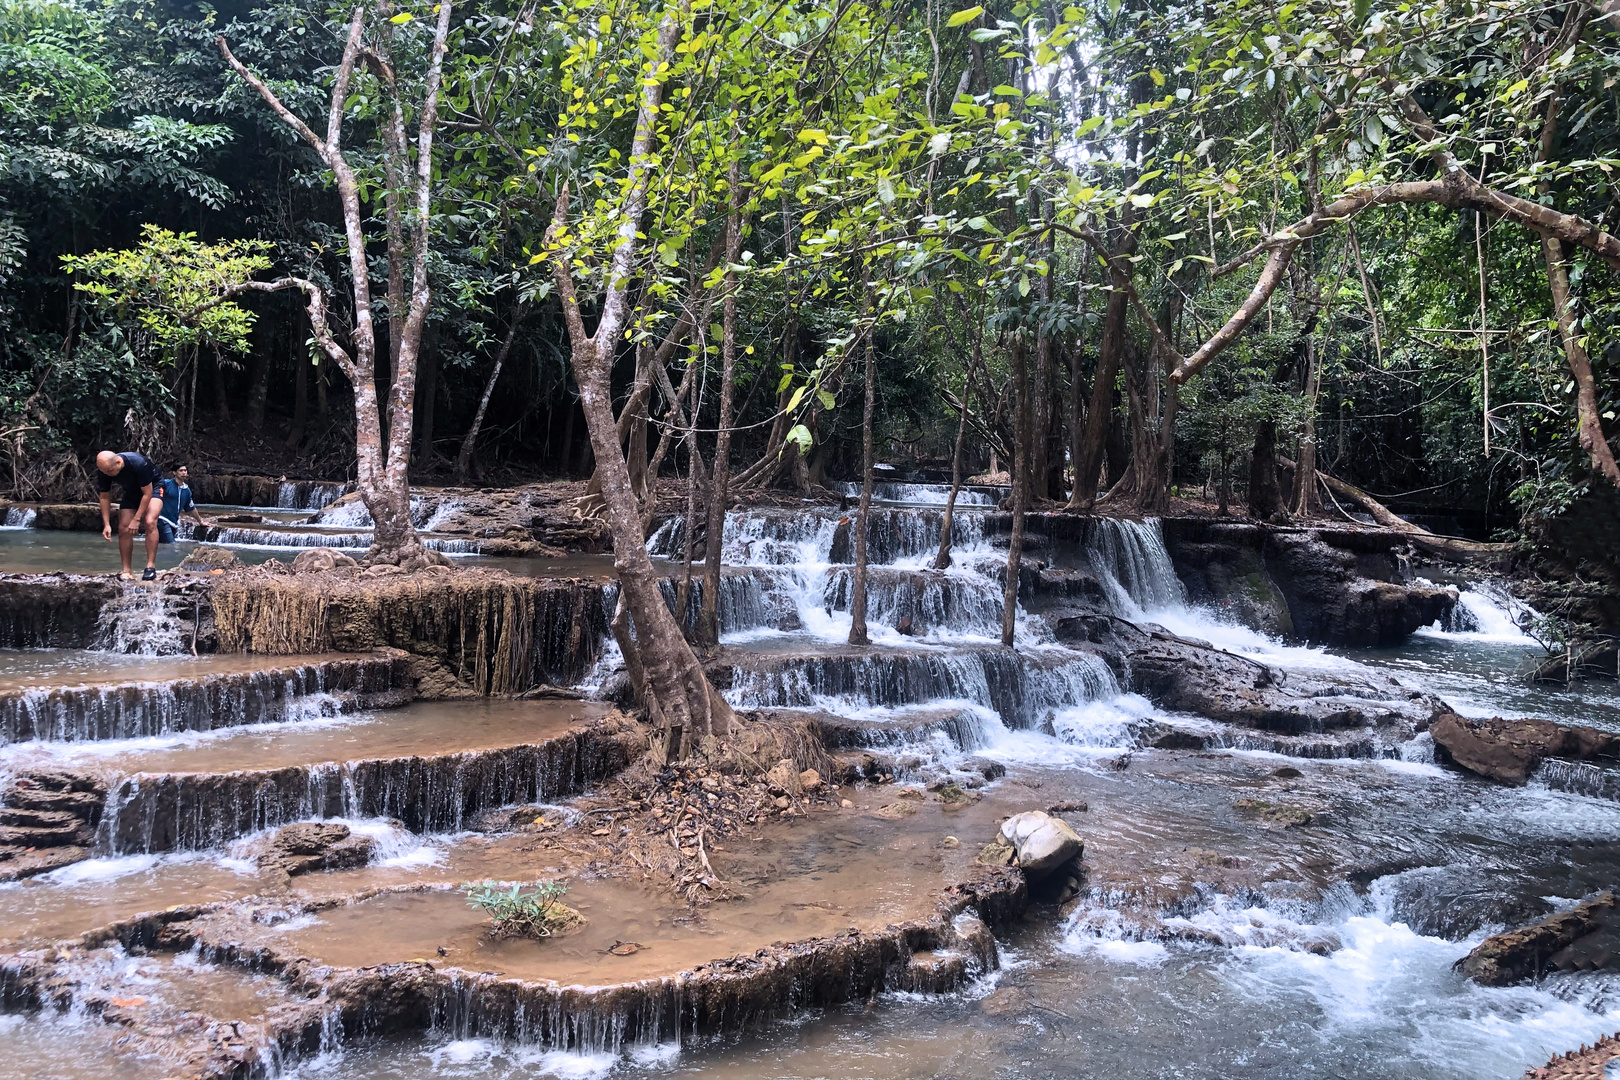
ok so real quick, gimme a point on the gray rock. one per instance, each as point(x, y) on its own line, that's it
point(1044, 843)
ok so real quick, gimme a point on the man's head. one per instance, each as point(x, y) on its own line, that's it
point(177, 470)
point(109, 463)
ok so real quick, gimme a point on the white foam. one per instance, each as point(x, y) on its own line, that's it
point(1495, 615)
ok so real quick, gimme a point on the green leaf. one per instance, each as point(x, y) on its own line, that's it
point(966, 16)
point(828, 402)
point(402, 18)
point(800, 435)
point(798, 396)
point(985, 33)
point(787, 381)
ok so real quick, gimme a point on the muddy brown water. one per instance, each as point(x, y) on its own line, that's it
point(33, 669)
point(419, 729)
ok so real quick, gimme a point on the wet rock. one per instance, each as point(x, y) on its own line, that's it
point(1525, 953)
point(205, 558)
point(1345, 596)
point(53, 611)
point(990, 770)
point(1275, 815)
point(47, 821)
point(322, 559)
point(316, 845)
point(1587, 1063)
point(809, 780)
point(1508, 751)
point(1043, 843)
point(1194, 677)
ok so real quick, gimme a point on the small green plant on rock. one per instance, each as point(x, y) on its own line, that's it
point(518, 910)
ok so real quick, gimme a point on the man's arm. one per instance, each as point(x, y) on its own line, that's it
point(106, 520)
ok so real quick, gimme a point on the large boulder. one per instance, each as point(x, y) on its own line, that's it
point(1508, 751)
point(1043, 844)
point(1343, 596)
point(1525, 953)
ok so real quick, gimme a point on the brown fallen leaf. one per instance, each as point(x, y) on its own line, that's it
point(626, 948)
point(129, 1002)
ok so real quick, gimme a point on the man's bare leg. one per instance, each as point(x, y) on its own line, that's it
point(126, 537)
point(150, 509)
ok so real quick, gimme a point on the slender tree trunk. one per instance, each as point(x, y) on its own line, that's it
point(695, 482)
point(675, 692)
point(222, 405)
point(863, 520)
point(469, 443)
point(1307, 496)
point(943, 559)
point(300, 399)
point(1589, 425)
point(708, 634)
point(1022, 422)
point(258, 391)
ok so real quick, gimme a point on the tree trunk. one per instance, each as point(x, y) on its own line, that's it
point(300, 399)
point(675, 691)
point(857, 597)
point(943, 559)
point(1307, 498)
point(1265, 496)
point(708, 632)
point(469, 443)
point(1589, 425)
point(1099, 415)
point(222, 406)
point(1020, 500)
point(258, 391)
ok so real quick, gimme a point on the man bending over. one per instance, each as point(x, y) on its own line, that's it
point(135, 476)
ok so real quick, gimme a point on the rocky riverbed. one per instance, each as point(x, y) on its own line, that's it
point(1237, 803)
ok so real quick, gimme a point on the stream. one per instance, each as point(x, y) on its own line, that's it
point(1204, 947)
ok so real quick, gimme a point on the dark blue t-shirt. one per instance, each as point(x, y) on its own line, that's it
point(138, 471)
point(176, 499)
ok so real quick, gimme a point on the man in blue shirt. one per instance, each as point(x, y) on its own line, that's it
point(135, 476)
point(176, 497)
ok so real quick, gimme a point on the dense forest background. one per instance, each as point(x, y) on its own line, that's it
point(1040, 249)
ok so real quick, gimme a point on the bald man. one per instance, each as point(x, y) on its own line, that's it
point(135, 476)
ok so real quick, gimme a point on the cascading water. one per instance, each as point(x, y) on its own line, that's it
point(19, 517)
point(1131, 560)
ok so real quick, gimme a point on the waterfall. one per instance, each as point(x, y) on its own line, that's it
point(1131, 560)
point(142, 622)
point(20, 517)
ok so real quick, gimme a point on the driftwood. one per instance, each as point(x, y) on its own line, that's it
point(1448, 546)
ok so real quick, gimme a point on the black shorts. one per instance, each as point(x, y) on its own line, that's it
point(131, 497)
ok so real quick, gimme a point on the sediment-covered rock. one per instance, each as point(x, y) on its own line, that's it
point(474, 631)
point(53, 611)
point(936, 954)
point(316, 845)
point(47, 820)
point(1525, 953)
point(155, 812)
point(1508, 751)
